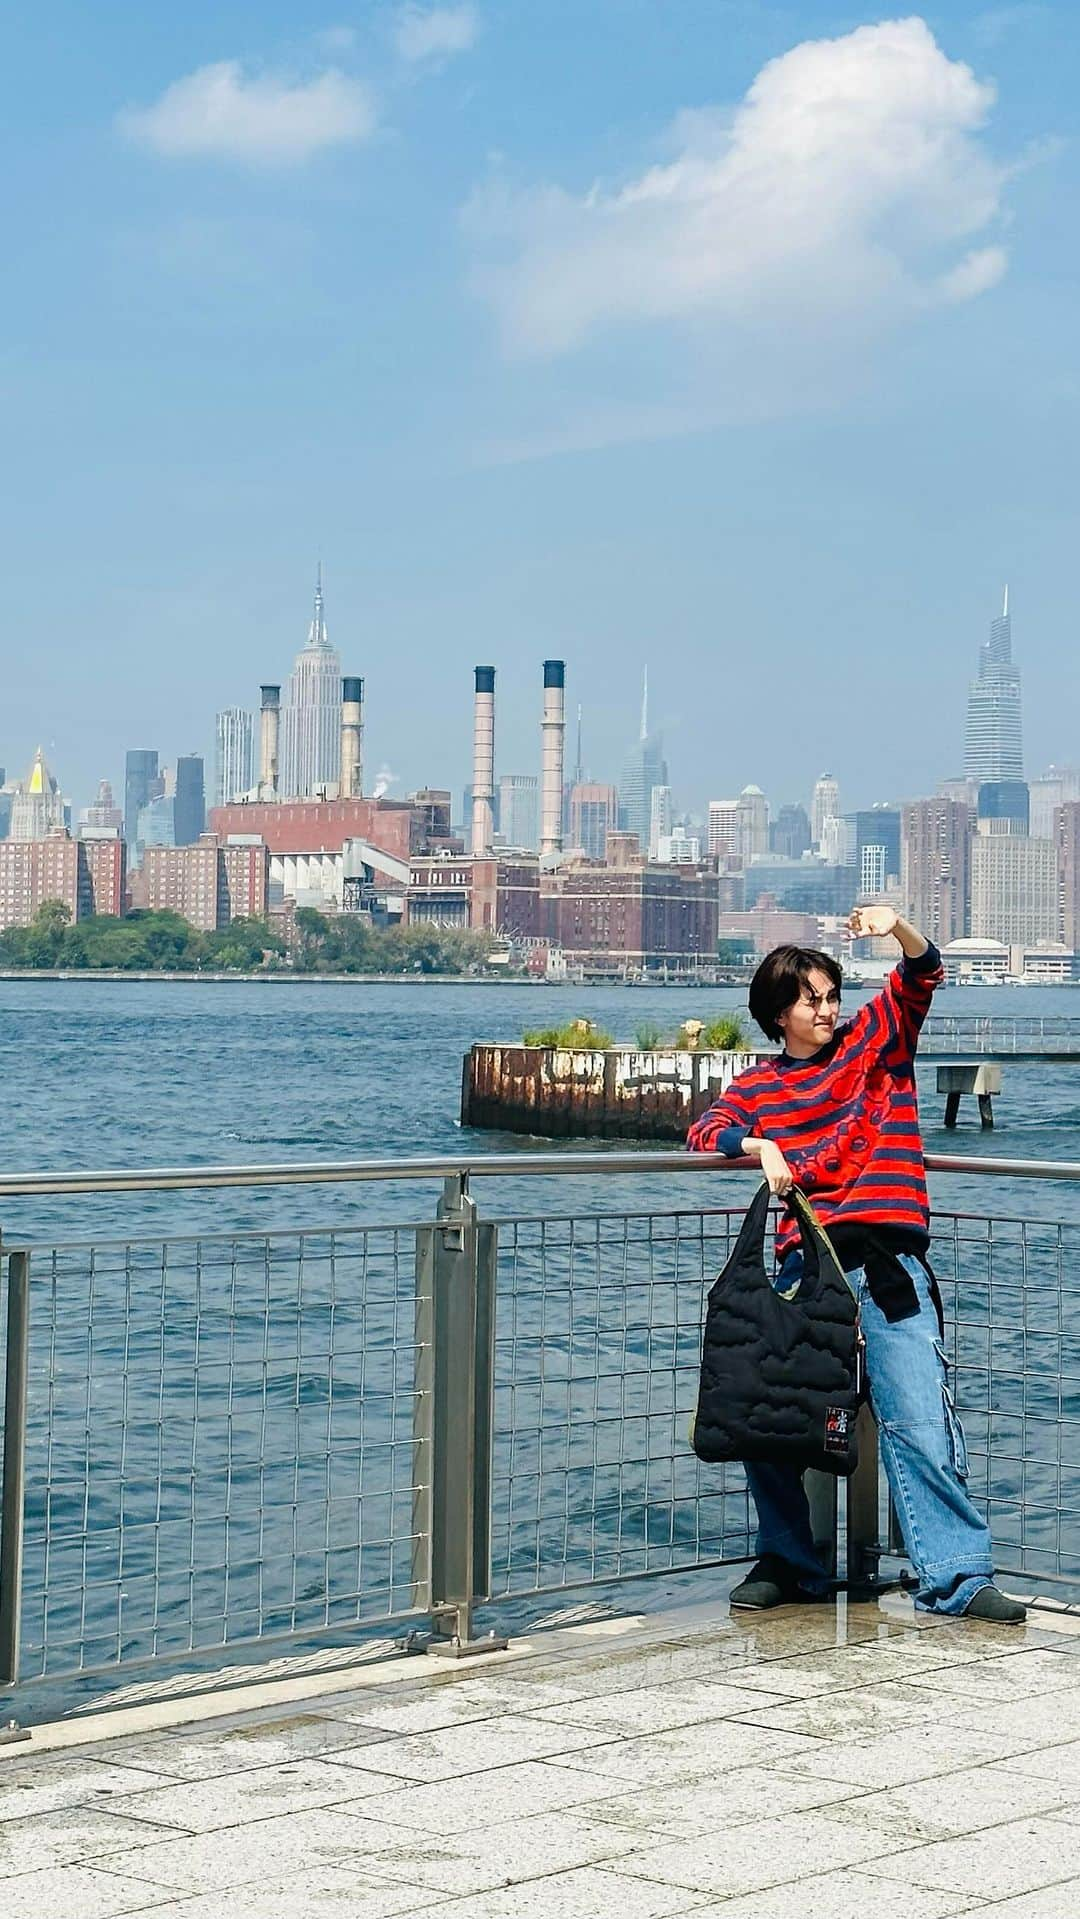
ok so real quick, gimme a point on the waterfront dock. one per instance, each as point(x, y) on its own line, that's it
point(270, 1499)
point(849, 1760)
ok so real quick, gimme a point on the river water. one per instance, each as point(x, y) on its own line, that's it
point(175, 1073)
point(221, 1428)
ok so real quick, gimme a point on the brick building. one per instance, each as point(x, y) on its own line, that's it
point(642, 916)
point(208, 884)
point(87, 876)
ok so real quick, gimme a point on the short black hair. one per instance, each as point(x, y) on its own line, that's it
point(779, 981)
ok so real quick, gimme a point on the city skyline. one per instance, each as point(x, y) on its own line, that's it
point(230, 354)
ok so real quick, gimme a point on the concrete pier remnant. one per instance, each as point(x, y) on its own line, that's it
point(616, 1092)
point(981, 1077)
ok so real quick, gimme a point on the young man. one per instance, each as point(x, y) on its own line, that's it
point(836, 1114)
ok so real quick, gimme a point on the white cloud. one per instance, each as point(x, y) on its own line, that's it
point(432, 33)
point(223, 113)
point(839, 196)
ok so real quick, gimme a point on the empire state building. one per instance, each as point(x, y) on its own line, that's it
point(311, 716)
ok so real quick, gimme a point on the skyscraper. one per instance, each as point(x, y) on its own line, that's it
point(723, 840)
point(38, 807)
point(877, 847)
point(751, 824)
point(789, 833)
point(234, 754)
point(660, 818)
point(594, 811)
point(935, 866)
point(189, 801)
point(993, 746)
point(824, 805)
point(311, 715)
point(141, 785)
point(518, 810)
point(645, 768)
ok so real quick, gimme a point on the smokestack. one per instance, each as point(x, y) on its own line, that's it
point(268, 742)
point(483, 781)
point(352, 739)
point(552, 730)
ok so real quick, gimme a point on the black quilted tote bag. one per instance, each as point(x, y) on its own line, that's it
point(781, 1378)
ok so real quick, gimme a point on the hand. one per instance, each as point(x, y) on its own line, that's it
point(871, 922)
point(776, 1169)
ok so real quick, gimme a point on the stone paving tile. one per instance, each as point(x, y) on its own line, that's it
point(685, 1754)
point(453, 1805)
point(589, 1894)
point(953, 1804)
point(196, 1754)
point(998, 1864)
point(36, 1785)
point(1024, 1676)
point(1046, 1720)
point(1059, 1901)
point(1059, 1763)
point(659, 1708)
point(472, 1748)
point(257, 1853)
point(326, 1890)
point(687, 1811)
point(69, 1836)
point(766, 1852)
point(838, 1669)
point(259, 1792)
point(81, 1892)
point(851, 1715)
point(850, 1894)
point(903, 1756)
point(485, 1857)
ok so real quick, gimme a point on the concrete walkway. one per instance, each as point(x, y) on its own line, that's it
point(830, 1763)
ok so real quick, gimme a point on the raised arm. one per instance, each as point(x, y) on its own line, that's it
point(905, 1001)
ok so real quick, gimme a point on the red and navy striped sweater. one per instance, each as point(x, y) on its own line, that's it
point(846, 1119)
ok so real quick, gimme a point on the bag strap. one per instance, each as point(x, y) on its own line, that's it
point(808, 1217)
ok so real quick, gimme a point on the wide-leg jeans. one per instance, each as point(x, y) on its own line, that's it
point(923, 1452)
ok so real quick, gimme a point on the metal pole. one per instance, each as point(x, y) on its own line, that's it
point(12, 1497)
point(457, 1265)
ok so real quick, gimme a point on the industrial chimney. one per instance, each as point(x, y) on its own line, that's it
point(483, 785)
point(552, 730)
point(268, 742)
point(352, 739)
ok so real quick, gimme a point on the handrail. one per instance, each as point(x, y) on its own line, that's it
point(483, 1166)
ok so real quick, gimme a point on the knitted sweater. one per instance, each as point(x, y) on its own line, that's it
point(846, 1119)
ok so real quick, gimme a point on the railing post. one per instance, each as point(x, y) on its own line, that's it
point(12, 1495)
point(456, 1333)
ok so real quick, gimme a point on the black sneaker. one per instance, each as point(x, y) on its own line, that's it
point(991, 1604)
point(772, 1582)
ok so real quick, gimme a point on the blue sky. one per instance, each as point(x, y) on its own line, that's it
point(735, 339)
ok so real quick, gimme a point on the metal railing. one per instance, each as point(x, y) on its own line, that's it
point(1035, 1037)
point(214, 1440)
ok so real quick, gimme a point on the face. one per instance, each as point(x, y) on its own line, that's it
point(811, 1021)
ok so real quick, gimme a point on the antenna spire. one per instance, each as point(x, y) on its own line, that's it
point(645, 707)
point(1005, 606)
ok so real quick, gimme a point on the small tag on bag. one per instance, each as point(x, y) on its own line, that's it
point(837, 1429)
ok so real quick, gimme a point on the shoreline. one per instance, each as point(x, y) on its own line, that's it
point(233, 978)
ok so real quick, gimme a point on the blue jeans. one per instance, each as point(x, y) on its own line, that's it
point(922, 1448)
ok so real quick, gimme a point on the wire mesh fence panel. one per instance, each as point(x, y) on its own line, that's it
point(597, 1356)
point(1011, 1293)
point(219, 1443)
